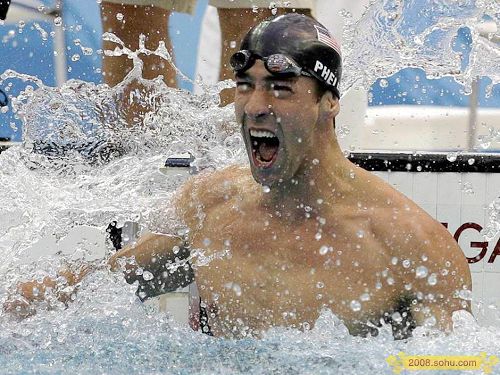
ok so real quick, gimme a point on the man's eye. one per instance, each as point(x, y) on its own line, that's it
point(281, 90)
point(280, 87)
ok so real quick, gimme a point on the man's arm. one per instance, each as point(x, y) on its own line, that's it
point(442, 282)
point(158, 262)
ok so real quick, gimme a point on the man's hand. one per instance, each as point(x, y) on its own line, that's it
point(21, 303)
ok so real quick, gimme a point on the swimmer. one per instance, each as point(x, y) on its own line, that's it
point(302, 228)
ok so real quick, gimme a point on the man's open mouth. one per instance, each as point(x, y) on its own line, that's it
point(265, 147)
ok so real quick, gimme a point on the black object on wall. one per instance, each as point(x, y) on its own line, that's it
point(4, 6)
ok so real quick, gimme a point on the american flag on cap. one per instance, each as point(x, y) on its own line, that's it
point(325, 37)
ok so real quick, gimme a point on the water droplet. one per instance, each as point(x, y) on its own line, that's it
point(176, 249)
point(119, 16)
point(452, 156)
point(146, 275)
point(383, 83)
point(234, 287)
point(430, 322)
point(467, 188)
point(87, 51)
point(394, 261)
point(360, 233)
point(406, 263)
point(390, 281)
point(75, 57)
point(320, 285)
point(323, 250)
point(364, 297)
point(255, 8)
point(432, 279)
point(58, 21)
point(396, 317)
point(471, 161)
point(424, 258)
point(408, 286)
point(315, 161)
point(378, 285)
point(465, 294)
point(317, 236)
point(232, 44)
point(266, 189)
point(355, 305)
point(421, 272)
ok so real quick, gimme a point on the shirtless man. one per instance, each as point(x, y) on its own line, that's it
point(302, 228)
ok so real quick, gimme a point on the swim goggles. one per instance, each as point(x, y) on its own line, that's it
point(277, 64)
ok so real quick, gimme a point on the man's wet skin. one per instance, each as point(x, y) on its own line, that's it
point(311, 230)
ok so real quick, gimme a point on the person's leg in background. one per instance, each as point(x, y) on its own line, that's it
point(127, 22)
point(236, 17)
point(128, 19)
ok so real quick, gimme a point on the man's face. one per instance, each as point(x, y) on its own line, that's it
point(278, 117)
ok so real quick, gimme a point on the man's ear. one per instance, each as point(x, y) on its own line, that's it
point(329, 105)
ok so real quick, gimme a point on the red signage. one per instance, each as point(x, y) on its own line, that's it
point(481, 246)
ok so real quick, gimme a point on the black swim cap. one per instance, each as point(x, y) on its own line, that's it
point(303, 39)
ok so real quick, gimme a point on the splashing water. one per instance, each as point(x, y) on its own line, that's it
point(80, 164)
point(395, 34)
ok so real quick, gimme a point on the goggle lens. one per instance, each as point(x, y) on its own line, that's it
point(276, 64)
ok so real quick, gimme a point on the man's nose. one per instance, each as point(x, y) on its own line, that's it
point(258, 107)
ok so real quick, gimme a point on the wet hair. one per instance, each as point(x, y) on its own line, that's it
point(303, 39)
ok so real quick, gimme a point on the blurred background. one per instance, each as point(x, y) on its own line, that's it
point(61, 40)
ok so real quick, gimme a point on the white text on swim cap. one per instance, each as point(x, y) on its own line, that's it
point(326, 74)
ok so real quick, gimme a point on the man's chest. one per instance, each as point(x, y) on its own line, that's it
point(273, 272)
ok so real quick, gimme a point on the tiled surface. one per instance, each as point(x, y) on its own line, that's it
point(425, 188)
point(458, 199)
point(494, 247)
point(491, 299)
point(470, 237)
point(477, 292)
point(449, 188)
point(402, 181)
point(492, 187)
point(473, 186)
point(383, 175)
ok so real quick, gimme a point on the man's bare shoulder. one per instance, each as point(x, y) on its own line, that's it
point(410, 234)
point(209, 189)
point(403, 226)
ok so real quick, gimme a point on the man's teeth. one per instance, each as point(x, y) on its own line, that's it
point(261, 133)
